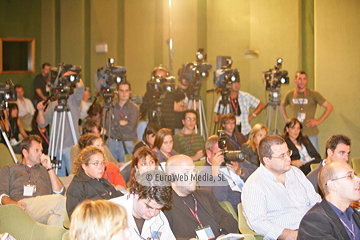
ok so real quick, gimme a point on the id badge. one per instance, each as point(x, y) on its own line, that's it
point(156, 235)
point(238, 121)
point(301, 116)
point(205, 233)
point(29, 190)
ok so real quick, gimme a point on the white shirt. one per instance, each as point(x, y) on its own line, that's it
point(157, 223)
point(25, 107)
point(270, 206)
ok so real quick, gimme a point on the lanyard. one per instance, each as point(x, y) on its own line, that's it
point(194, 213)
point(44, 136)
point(233, 140)
point(303, 100)
point(235, 106)
point(352, 231)
point(28, 169)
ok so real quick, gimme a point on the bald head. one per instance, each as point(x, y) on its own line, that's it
point(182, 168)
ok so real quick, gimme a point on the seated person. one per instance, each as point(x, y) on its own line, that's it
point(187, 141)
point(91, 126)
point(234, 174)
point(234, 140)
point(303, 152)
point(99, 219)
point(277, 195)
point(26, 107)
point(194, 208)
point(148, 196)
point(163, 145)
point(34, 185)
point(148, 137)
point(333, 218)
point(250, 148)
point(88, 183)
point(112, 171)
point(143, 160)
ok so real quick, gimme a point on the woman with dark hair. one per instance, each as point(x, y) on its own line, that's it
point(148, 136)
point(14, 127)
point(163, 144)
point(303, 152)
point(143, 160)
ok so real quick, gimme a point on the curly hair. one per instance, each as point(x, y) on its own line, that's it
point(84, 157)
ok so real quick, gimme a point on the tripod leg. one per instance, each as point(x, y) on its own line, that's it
point(9, 145)
point(202, 109)
point(73, 133)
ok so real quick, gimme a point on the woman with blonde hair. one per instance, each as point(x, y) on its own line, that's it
point(100, 219)
point(88, 182)
point(257, 133)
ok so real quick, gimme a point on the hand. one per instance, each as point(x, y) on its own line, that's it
point(312, 123)
point(40, 106)
point(355, 204)
point(199, 154)
point(45, 161)
point(22, 205)
point(297, 163)
point(123, 122)
point(250, 117)
point(217, 159)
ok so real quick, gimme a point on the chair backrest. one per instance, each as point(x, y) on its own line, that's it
point(243, 226)
point(356, 165)
point(6, 157)
point(314, 166)
point(229, 208)
point(20, 225)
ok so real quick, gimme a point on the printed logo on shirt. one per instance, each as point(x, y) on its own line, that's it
point(301, 101)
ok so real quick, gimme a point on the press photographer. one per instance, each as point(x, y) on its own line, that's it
point(238, 103)
point(231, 165)
point(158, 101)
point(67, 91)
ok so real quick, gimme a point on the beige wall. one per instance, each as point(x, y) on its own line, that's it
point(337, 69)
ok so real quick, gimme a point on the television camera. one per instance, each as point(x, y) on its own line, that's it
point(229, 155)
point(224, 77)
point(273, 78)
point(192, 74)
point(7, 93)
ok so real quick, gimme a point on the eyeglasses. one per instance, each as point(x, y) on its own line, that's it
point(284, 155)
point(190, 119)
point(350, 175)
point(96, 164)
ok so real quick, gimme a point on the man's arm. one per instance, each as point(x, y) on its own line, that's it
point(328, 109)
point(257, 110)
point(41, 120)
point(283, 111)
point(40, 93)
point(56, 184)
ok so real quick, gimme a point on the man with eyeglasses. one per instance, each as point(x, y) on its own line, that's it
point(150, 193)
point(33, 185)
point(234, 140)
point(337, 149)
point(187, 141)
point(333, 218)
point(277, 195)
point(194, 211)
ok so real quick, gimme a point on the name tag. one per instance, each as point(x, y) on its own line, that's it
point(205, 233)
point(29, 190)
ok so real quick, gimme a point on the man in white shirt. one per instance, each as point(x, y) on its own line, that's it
point(26, 107)
point(277, 195)
point(148, 196)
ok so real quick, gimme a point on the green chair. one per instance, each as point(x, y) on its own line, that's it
point(229, 208)
point(314, 166)
point(244, 227)
point(20, 225)
point(356, 165)
point(6, 157)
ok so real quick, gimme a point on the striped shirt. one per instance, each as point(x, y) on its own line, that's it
point(270, 207)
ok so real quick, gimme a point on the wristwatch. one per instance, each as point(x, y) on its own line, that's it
point(254, 115)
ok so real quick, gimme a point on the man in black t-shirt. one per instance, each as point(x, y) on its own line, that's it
point(40, 83)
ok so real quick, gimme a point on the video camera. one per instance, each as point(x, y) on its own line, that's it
point(7, 93)
point(63, 86)
point(275, 77)
point(224, 77)
point(229, 155)
point(160, 85)
point(194, 73)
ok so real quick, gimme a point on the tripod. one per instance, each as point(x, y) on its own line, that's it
point(6, 139)
point(225, 104)
point(272, 112)
point(155, 112)
point(57, 138)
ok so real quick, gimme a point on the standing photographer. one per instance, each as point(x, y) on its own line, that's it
point(240, 103)
point(46, 116)
point(237, 172)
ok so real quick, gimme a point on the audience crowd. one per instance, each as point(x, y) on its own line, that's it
point(176, 181)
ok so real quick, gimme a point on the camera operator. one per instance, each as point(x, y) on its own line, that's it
point(237, 172)
point(170, 98)
point(124, 120)
point(45, 116)
point(240, 103)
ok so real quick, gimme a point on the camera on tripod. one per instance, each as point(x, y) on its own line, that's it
point(275, 77)
point(160, 85)
point(229, 155)
point(7, 93)
point(63, 86)
point(224, 77)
